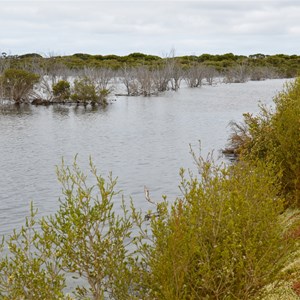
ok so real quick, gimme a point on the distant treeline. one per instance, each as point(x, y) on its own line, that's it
point(285, 66)
point(89, 79)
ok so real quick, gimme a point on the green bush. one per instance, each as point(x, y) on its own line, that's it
point(86, 91)
point(31, 269)
point(90, 238)
point(286, 133)
point(222, 240)
point(18, 84)
point(274, 136)
point(61, 90)
point(85, 239)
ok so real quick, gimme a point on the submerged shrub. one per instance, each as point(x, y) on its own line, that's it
point(61, 90)
point(18, 84)
point(221, 240)
point(86, 91)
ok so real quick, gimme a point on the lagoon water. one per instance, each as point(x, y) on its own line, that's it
point(143, 141)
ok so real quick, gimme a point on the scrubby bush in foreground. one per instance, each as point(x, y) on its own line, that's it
point(221, 240)
point(31, 269)
point(274, 136)
point(85, 239)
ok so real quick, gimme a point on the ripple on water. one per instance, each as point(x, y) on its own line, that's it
point(143, 141)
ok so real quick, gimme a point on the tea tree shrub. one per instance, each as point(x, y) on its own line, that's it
point(221, 240)
point(30, 269)
point(89, 237)
point(274, 136)
point(61, 90)
point(18, 84)
point(286, 124)
point(84, 240)
point(86, 91)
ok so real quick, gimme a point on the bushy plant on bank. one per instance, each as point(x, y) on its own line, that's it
point(274, 136)
point(221, 240)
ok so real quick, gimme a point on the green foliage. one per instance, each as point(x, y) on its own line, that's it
point(30, 55)
point(61, 90)
point(284, 66)
point(82, 56)
point(222, 240)
point(18, 84)
point(274, 136)
point(30, 270)
point(90, 238)
point(286, 124)
point(86, 91)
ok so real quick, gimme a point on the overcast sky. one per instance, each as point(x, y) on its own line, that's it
point(152, 27)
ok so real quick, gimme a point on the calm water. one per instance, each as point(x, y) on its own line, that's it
point(143, 141)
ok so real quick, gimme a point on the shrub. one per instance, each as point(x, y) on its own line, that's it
point(86, 91)
point(18, 84)
point(221, 240)
point(89, 237)
point(31, 270)
point(286, 132)
point(61, 90)
point(274, 136)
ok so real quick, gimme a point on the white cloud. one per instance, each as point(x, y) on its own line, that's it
point(121, 27)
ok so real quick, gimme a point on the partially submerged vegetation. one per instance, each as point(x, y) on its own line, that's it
point(91, 78)
point(233, 234)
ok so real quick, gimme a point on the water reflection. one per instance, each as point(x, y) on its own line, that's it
point(15, 109)
point(62, 110)
point(89, 109)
